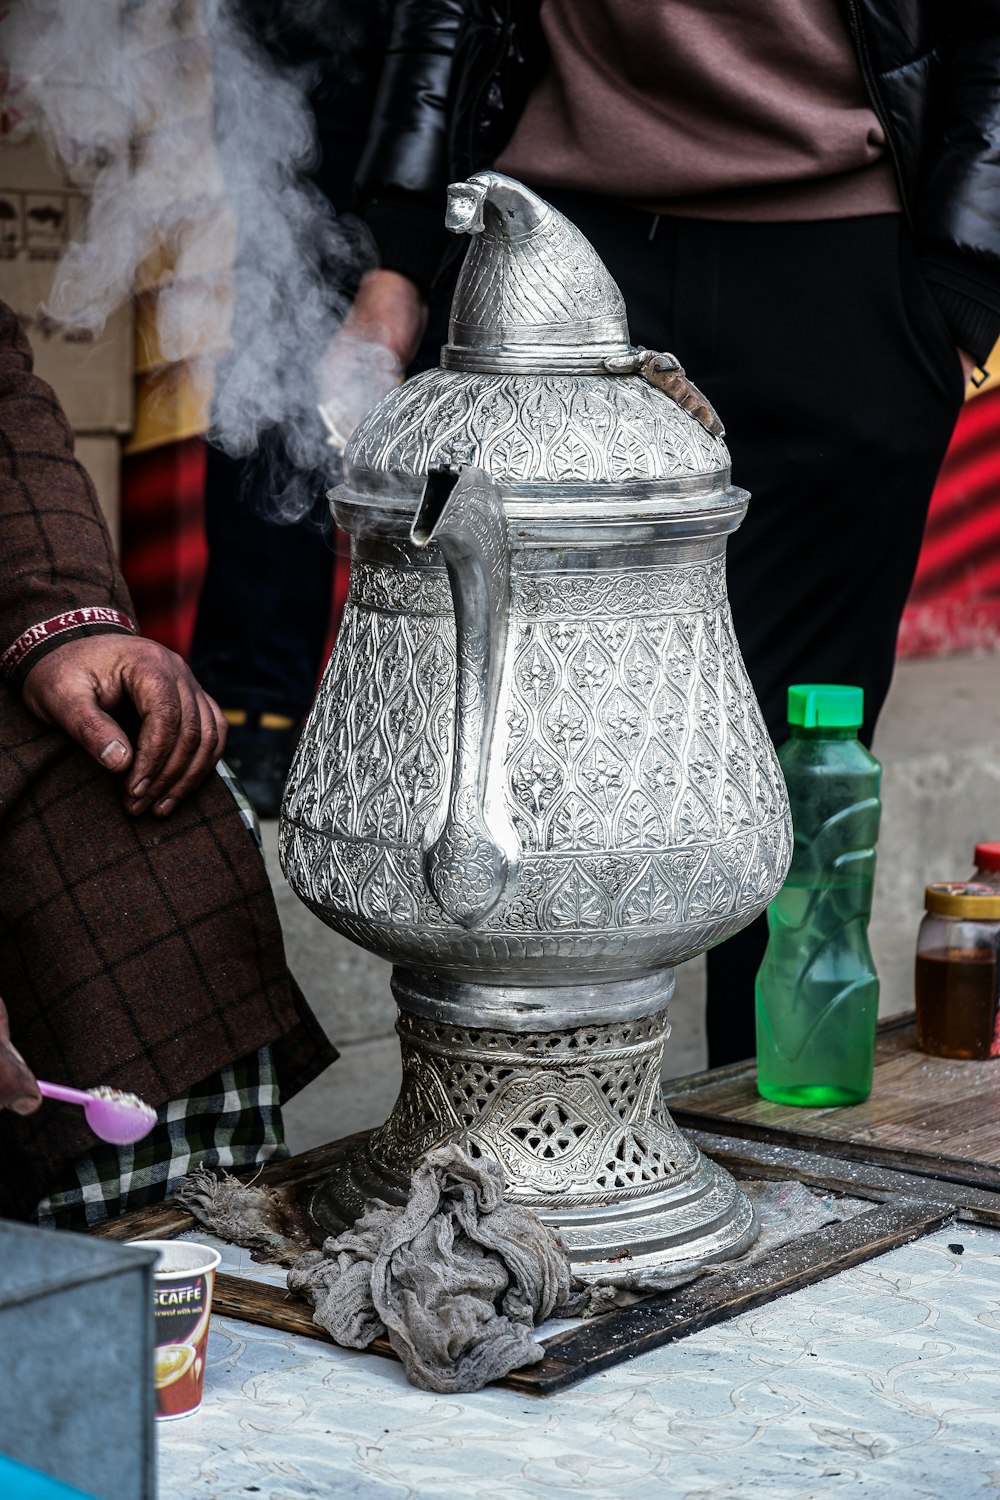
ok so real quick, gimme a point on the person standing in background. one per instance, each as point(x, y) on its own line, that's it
point(801, 201)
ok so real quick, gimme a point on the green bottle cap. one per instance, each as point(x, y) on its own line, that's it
point(825, 705)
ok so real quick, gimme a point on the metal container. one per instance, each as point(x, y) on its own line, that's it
point(536, 776)
point(76, 1335)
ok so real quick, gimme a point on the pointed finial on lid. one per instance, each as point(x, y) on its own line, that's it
point(533, 294)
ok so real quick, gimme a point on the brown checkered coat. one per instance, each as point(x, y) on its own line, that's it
point(137, 952)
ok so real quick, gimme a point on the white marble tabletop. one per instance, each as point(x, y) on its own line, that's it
point(886, 1377)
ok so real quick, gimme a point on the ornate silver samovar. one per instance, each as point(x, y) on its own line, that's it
point(536, 776)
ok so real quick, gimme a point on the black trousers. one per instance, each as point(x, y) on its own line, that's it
point(265, 603)
point(827, 359)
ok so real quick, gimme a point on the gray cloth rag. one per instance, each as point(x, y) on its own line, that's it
point(245, 1214)
point(457, 1278)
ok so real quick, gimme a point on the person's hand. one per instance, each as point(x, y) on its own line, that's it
point(370, 351)
point(968, 365)
point(18, 1090)
point(388, 310)
point(79, 685)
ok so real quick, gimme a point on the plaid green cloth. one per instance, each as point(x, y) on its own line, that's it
point(232, 1119)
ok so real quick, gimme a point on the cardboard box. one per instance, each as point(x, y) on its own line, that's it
point(207, 306)
point(173, 403)
point(41, 211)
point(101, 456)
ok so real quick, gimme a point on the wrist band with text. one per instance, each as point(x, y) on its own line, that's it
point(71, 619)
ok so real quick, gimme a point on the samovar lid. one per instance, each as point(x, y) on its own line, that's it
point(541, 388)
point(533, 296)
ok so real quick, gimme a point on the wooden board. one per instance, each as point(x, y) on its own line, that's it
point(275, 1307)
point(837, 1175)
point(602, 1342)
point(927, 1115)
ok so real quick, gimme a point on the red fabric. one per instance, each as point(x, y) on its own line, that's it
point(163, 539)
point(163, 543)
point(341, 579)
point(954, 604)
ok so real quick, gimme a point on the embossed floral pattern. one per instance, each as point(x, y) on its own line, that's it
point(528, 427)
point(635, 770)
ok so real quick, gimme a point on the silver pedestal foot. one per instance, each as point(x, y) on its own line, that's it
point(572, 1111)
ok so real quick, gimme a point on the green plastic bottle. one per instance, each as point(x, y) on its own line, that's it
point(817, 989)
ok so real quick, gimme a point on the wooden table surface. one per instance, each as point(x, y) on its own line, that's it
point(928, 1115)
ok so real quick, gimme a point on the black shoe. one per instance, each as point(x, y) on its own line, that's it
point(259, 748)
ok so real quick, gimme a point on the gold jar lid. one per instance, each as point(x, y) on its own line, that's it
point(963, 898)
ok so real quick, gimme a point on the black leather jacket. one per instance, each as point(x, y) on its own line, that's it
point(458, 72)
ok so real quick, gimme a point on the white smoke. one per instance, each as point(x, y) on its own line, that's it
point(196, 144)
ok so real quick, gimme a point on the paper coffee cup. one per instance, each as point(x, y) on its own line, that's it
point(182, 1305)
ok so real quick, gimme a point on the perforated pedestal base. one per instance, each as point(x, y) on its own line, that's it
point(573, 1113)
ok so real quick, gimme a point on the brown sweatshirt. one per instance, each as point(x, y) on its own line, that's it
point(718, 109)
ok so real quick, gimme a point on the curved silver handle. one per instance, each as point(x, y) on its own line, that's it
point(467, 866)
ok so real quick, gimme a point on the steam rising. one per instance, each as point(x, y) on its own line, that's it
point(195, 143)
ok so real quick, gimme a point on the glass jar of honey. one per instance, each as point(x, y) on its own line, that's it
point(957, 970)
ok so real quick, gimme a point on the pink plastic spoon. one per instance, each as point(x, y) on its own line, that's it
point(111, 1114)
